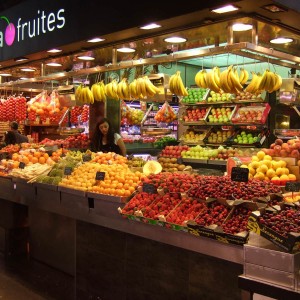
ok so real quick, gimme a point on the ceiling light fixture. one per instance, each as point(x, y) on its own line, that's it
point(126, 50)
point(225, 9)
point(18, 59)
point(150, 26)
point(281, 40)
point(23, 78)
point(27, 69)
point(175, 39)
point(5, 74)
point(54, 64)
point(86, 57)
point(54, 50)
point(241, 27)
point(274, 8)
point(95, 40)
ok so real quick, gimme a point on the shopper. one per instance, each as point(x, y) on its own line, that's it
point(14, 136)
point(106, 140)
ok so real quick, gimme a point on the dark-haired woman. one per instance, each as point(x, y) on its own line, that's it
point(106, 140)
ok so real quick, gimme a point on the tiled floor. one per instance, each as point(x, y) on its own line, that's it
point(21, 279)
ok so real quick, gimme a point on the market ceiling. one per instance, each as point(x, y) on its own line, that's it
point(174, 18)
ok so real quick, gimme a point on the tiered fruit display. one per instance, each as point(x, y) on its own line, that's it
point(194, 96)
point(173, 151)
point(219, 136)
point(220, 114)
point(263, 167)
point(195, 114)
point(217, 97)
point(193, 137)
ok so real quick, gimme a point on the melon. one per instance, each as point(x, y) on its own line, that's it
point(152, 167)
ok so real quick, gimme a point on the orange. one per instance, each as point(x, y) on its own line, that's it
point(37, 154)
point(34, 160)
point(15, 156)
point(46, 155)
point(42, 160)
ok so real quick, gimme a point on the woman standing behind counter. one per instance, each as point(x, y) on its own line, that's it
point(106, 140)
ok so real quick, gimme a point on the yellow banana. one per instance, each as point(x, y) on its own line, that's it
point(78, 96)
point(120, 90)
point(102, 91)
point(211, 83)
point(90, 96)
point(125, 89)
point(235, 83)
point(278, 82)
point(114, 89)
point(182, 91)
point(270, 82)
point(216, 75)
point(150, 87)
point(244, 76)
point(172, 85)
point(200, 79)
point(263, 81)
point(223, 81)
point(133, 90)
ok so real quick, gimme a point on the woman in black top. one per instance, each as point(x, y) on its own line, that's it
point(106, 140)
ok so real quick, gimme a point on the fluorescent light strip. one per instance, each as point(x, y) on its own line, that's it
point(84, 57)
point(150, 26)
point(225, 9)
point(54, 50)
point(95, 40)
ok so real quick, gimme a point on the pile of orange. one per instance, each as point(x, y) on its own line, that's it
point(28, 157)
point(58, 153)
point(109, 158)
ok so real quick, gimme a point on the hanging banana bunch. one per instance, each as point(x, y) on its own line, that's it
point(151, 89)
point(176, 85)
point(270, 81)
point(84, 95)
point(123, 89)
point(200, 79)
point(132, 90)
point(98, 90)
point(253, 86)
point(213, 79)
point(244, 76)
point(111, 90)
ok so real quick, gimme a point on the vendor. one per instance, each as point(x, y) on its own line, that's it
point(14, 136)
point(106, 140)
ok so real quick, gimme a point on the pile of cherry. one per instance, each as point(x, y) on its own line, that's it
point(182, 197)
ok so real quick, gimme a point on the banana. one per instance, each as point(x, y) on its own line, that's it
point(120, 90)
point(278, 82)
point(216, 75)
point(234, 79)
point(200, 79)
point(78, 93)
point(211, 84)
point(133, 90)
point(262, 84)
point(244, 76)
point(125, 88)
point(102, 91)
point(270, 82)
point(150, 87)
point(90, 96)
point(182, 91)
point(223, 81)
point(141, 88)
point(114, 85)
point(172, 84)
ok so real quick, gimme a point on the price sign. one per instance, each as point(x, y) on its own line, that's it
point(100, 175)
point(179, 160)
point(239, 174)
point(86, 157)
point(292, 186)
point(149, 188)
point(68, 171)
point(22, 165)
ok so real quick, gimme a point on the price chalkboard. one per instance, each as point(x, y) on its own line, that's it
point(292, 186)
point(100, 175)
point(239, 174)
point(68, 170)
point(86, 157)
point(22, 165)
point(149, 188)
